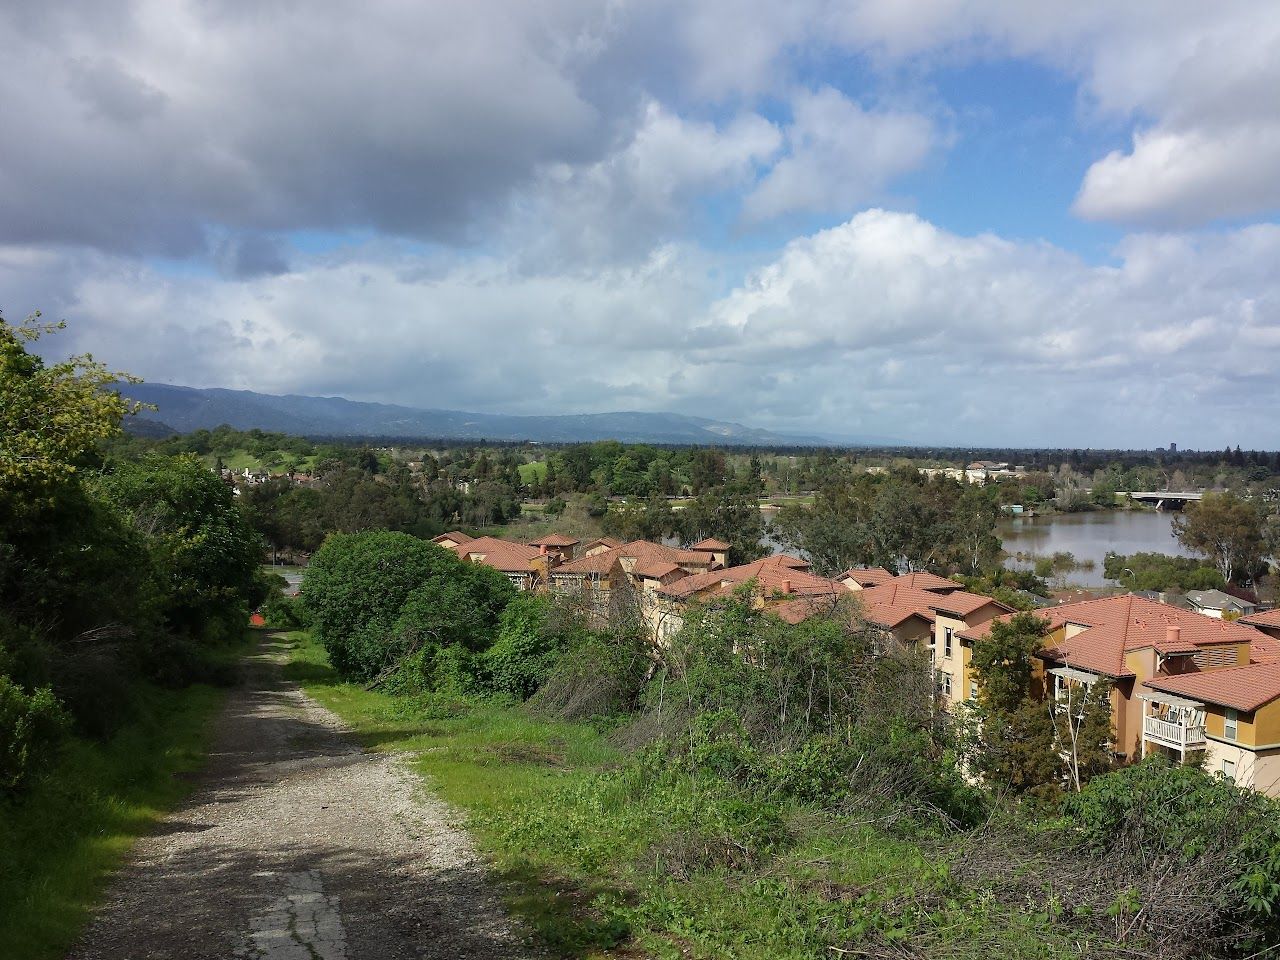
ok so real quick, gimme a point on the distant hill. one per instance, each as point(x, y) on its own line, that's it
point(187, 408)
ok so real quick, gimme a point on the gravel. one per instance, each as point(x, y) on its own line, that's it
point(298, 845)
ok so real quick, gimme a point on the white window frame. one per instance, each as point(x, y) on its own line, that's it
point(946, 685)
point(947, 633)
point(1231, 724)
point(973, 689)
point(1229, 770)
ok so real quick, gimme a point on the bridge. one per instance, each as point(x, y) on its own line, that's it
point(1165, 499)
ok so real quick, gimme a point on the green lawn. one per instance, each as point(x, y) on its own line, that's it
point(60, 844)
point(531, 472)
point(606, 858)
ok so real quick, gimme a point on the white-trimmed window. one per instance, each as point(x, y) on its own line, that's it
point(973, 689)
point(946, 684)
point(946, 642)
point(1229, 770)
point(1229, 725)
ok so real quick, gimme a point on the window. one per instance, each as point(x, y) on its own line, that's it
point(946, 641)
point(1229, 724)
point(946, 684)
point(1229, 770)
point(973, 689)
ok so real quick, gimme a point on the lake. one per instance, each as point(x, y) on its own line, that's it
point(1089, 536)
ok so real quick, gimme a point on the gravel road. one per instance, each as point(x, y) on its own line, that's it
point(298, 845)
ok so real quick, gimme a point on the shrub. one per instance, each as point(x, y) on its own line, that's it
point(31, 728)
point(601, 675)
point(283, 612)
point(1211, 832)
point(355, 589)
point(526, 650)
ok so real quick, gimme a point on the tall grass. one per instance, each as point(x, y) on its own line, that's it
point(606, 855)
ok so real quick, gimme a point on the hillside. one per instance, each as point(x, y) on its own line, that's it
point(187, 408)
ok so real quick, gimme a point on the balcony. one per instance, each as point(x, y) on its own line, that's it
point(1179, 736)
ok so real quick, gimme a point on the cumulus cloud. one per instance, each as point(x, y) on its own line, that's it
point(411, 119)
point(1201, 80)
point(839, 156)
point(641, 194)
point(885, 325)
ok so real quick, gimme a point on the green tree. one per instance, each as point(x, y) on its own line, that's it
point(51, 415)
point(526, 649)
point(201, 544)
point(1015, 743)
point(1226, 529)
point(378, 596)
point(730, 516)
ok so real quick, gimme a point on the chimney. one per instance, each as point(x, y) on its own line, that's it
point(1173, 634)
point(786, 586)
point(542, 549)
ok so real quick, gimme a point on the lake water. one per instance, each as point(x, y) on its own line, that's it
point(1089, 536)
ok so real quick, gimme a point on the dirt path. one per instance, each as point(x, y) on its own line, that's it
point(298, 845)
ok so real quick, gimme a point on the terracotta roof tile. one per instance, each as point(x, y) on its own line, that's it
point(772, 573)
point(554, 540)
point(457, 536)
point(867, 576)
point(897, 600)
point(504, 555)
point(642, 551)
point(600, 542)
point(657, 569)
point(1114, 626)
point(1263, 618)
point(710, 544)
point(1242, 688)
point(802, 608)
point(924, 580)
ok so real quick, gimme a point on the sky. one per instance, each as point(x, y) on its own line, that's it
point(982, 222)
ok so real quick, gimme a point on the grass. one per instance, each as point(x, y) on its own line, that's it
point(59, 845)
point(605, 858)
point(531, 472)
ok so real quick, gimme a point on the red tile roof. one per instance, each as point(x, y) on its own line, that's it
point(923, 580)
point(600, 542)
point(505, 555)
point(656, 569)
point(710, 544)
point(897, 600)
point(962, 603)
point(457, 536)
point(1116, 625)
point(1242, 688)
point(867, 576)
point(1263, 618)
point(643, 552)
point(802, 608)
point(1264, 648)
point(772, 573)
point(554, 540)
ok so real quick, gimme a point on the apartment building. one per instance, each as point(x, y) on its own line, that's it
point(1183, 684)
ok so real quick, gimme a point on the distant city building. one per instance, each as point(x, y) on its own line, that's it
point(1173, 448)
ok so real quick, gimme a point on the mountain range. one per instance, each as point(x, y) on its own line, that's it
point(183, 409)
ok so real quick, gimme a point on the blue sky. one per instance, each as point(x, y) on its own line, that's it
point(1040, 224)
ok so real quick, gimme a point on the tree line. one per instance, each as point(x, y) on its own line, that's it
point(113, 572)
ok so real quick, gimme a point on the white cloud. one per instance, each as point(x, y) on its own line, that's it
point(885, 325)
point(839, 157)
point(642, 193)
point(1186, 178)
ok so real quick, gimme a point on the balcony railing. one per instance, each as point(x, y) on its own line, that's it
point(1180, 735)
